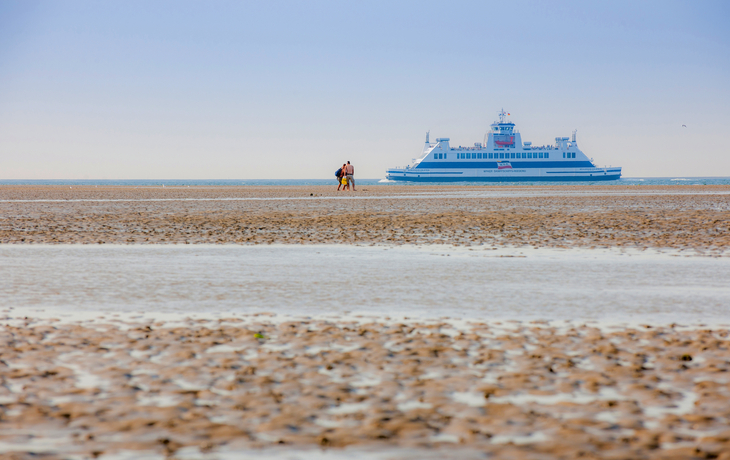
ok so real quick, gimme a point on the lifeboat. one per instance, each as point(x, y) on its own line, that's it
point(509, 141)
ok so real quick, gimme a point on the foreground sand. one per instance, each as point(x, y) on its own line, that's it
point(512, 389)
point(678, 217)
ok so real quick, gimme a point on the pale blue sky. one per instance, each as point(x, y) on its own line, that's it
point(291, 89)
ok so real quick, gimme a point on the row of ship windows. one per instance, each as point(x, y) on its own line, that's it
point(500, 156)
point(496, 156)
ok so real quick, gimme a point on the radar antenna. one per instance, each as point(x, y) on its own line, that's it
point(502, 114)
point(574, 132)
point(427, 134)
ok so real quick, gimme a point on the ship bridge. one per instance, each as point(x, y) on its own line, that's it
point(502, 134)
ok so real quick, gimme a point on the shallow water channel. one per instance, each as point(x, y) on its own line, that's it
point(418, 282)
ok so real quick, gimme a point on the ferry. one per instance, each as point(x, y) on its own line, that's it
point(503, 157)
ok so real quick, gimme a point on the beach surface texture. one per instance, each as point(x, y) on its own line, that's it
point(679, 217)
point(89, 379)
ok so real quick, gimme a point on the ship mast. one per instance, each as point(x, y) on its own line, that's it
point(502, 114)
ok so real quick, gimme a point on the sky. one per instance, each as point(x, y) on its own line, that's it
point(292, 89)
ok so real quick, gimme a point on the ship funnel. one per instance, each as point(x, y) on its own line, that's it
point(427, 134)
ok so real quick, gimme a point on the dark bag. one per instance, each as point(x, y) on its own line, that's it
point(339, 171)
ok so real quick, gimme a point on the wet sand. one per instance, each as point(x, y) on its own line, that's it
point(678, 217)
point(509, 389)
point(189, 387)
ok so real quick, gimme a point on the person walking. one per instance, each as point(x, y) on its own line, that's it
point(340, 173)
point(349, 173)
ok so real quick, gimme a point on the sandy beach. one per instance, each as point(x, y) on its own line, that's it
point(678, 217)
point(124, 385)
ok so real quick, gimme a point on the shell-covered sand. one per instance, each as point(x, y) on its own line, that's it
point(515, 390)
point(678, 217)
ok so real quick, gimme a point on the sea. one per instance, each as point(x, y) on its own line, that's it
point(360, 182)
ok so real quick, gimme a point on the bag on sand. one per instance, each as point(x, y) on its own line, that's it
point(344, 181)
point(339, 171)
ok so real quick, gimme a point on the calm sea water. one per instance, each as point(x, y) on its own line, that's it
point(428, 282)
point(369, 182)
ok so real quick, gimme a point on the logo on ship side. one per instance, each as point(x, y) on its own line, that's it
point(504, 165)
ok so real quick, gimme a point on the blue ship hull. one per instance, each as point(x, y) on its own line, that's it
point(508, 179)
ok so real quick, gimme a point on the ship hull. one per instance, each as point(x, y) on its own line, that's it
point(503, 175)
point(506, 179)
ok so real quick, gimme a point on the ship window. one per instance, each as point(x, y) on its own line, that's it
point(468, 156)
point(547, 155)
point(563, 154)
point(540, 154)
point(501, 155)
point(529, 155)
point(490, 155)
point(524, 155)
point(573, 154)
point(479, 156)
point(512, 155)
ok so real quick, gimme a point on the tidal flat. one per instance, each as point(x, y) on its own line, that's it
point(113, 387)
point(691, 217)
point(396, 322)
